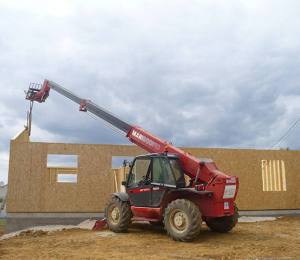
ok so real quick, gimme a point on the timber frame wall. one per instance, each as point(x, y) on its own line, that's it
point(33, 189)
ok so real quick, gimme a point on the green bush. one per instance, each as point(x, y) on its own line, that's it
point(1, 200)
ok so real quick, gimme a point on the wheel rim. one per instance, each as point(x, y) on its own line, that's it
point(114, 215)
point(179, 221)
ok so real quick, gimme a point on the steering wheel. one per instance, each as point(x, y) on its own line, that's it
point(143, 181)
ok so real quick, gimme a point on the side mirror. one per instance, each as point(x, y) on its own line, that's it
point(125, 162)
point(123, 183)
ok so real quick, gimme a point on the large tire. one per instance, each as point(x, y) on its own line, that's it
point(223, 224)
point(118, 215)
point(182, 220)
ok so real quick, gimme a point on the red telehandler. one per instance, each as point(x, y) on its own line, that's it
point(156, 190)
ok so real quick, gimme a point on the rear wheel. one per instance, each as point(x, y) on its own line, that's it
point(118, 215)
point(223, 224)
point(182, 220)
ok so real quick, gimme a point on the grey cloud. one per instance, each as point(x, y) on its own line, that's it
point(203, 74)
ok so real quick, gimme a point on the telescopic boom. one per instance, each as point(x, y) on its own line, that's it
point(199, 170)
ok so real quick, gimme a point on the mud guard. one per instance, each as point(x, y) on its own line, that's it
point(123, 196)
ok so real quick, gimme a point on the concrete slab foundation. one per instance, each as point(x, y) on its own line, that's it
point(18, 221)
point(270, 213)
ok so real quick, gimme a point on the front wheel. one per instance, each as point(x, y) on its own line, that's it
point(223, 224)
point(182, 220)
point(118, 215)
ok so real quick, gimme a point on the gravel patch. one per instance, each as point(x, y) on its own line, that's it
point(106, 234)
point(255, 219)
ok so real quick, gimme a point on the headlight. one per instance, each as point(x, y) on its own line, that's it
point(229, 191)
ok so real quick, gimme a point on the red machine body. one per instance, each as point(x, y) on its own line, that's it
point(219, 190)
point(209, 178)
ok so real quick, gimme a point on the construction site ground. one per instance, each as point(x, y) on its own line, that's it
point(278, 239)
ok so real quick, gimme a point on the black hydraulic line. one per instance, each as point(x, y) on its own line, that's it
point(93, 108)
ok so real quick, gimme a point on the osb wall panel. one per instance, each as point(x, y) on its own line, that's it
point(31, 189)
point(246, 164)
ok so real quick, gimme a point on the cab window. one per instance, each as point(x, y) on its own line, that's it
point(139, 171)
point(178, 174)
point(157, 171)
point(176, 169)
point(162, 172)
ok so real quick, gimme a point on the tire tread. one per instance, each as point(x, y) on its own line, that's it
point(125, 212)
point(194, 216)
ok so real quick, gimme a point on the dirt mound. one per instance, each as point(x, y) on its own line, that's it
point(33, 233)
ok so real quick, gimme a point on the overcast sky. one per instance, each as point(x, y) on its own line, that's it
point(196, 73)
